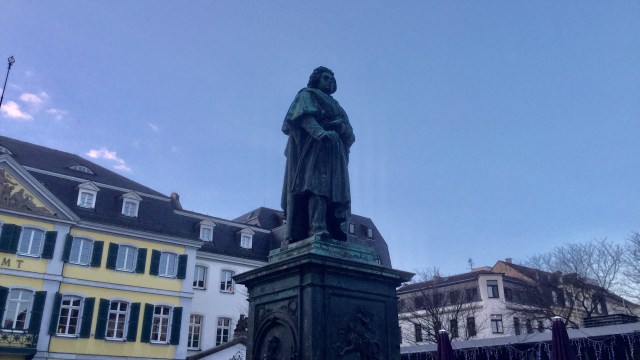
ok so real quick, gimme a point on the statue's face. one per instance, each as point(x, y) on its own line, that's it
point(327, 83)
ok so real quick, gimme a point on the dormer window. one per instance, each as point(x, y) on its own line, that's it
point(81, 168)
point(370, 233)
point(352, 228)
point(206, 230)
point(246, 238)
point(87, 193)
point(4, 150)
point(130, 204)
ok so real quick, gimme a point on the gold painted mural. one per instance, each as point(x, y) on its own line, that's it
point(14, 196)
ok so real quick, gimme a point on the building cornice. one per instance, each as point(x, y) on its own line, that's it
point(203, 255)
point(222, 221)
point(138, 289)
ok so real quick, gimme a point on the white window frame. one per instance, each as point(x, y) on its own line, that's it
point(206, 230)
point(165, 269)
point(493, 289)
point(131, 204)
point(161, 324)
point(71, 309)
point(87, 189)
point(112, 332)
point(246, 238)
point(227, 285)
point(85, 245)
point(19, 301)
point(195, 332)
point(125, 253)
point(497, 327)
point(33, 250)
point(223, 330)
point(200, 275)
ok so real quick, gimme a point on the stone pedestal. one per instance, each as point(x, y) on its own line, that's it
point(323, 300)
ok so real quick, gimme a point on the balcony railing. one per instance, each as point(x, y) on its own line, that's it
point(614, 319)
point(18, 340)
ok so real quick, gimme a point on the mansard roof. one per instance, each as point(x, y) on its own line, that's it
point(271, 219)
point(443, 281)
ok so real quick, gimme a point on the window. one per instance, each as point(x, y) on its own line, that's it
point(81, 168)
point(206, 233)
point(370, 233)
point(471, 294)
point(69, 320)
point(87, 193)
point(454, 296)
point(471, 326)
point(81, 251)
point(117, 320)
point(540, 326)
point(223, 330)
point(453, 328)
point(226, 281)
point(17, 310)
point(529, 326)
point(508, 294)
point(160, 324)
point(496, 324)
point(130, 208)
point(31, 242)
point(130, 204)
point(417, 329)
point(86, 199)
point(126, 258)
point(418, 302)
point(245, 241)
point(516, 326)
point(200, 277)
point(352, 228)
point(195, 332)
point(492, 289)
point(168, 264)
point(554, 297)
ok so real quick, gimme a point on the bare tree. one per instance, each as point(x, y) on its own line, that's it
point(632, 268)
point(432, 304)
point(587, 274)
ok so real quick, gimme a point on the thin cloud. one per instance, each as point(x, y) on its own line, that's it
point(153, 127)
point(34, 99)
point(111, 156)
point(12, 110)
point(57, 113)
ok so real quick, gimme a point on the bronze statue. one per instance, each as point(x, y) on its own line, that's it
point(316, 196)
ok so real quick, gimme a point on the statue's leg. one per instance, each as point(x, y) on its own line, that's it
point(318, 216)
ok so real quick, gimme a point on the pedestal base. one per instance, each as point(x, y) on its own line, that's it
point(323, 300)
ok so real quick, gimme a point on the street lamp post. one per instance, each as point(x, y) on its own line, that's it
point(10, 60)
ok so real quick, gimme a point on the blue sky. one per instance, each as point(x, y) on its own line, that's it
point(484, 129)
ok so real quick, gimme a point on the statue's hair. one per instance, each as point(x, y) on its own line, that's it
point(314, 79)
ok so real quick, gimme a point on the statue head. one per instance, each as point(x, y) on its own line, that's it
point(315, 80)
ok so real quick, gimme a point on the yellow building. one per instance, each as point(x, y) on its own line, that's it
point(92, 264)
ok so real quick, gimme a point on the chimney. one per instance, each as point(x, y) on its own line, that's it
point(175, 201)
point(508, 260)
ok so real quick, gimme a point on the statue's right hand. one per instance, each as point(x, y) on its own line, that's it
point(330, 135)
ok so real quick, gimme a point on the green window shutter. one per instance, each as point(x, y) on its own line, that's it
point(134, 317)
point(9, 238)
point(155, 262)
point(49, 244)
point(55, 314)
point(142, 260)
point(87, 317)
point(4, 293)
point(36, 311)
point(112, 256)
point(67, 248)
point(182, 266)
point(96, 256)
point(145, 336)
point(101, 324)
point(176, 323)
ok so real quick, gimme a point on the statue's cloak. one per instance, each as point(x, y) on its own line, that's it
point(318, 167)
